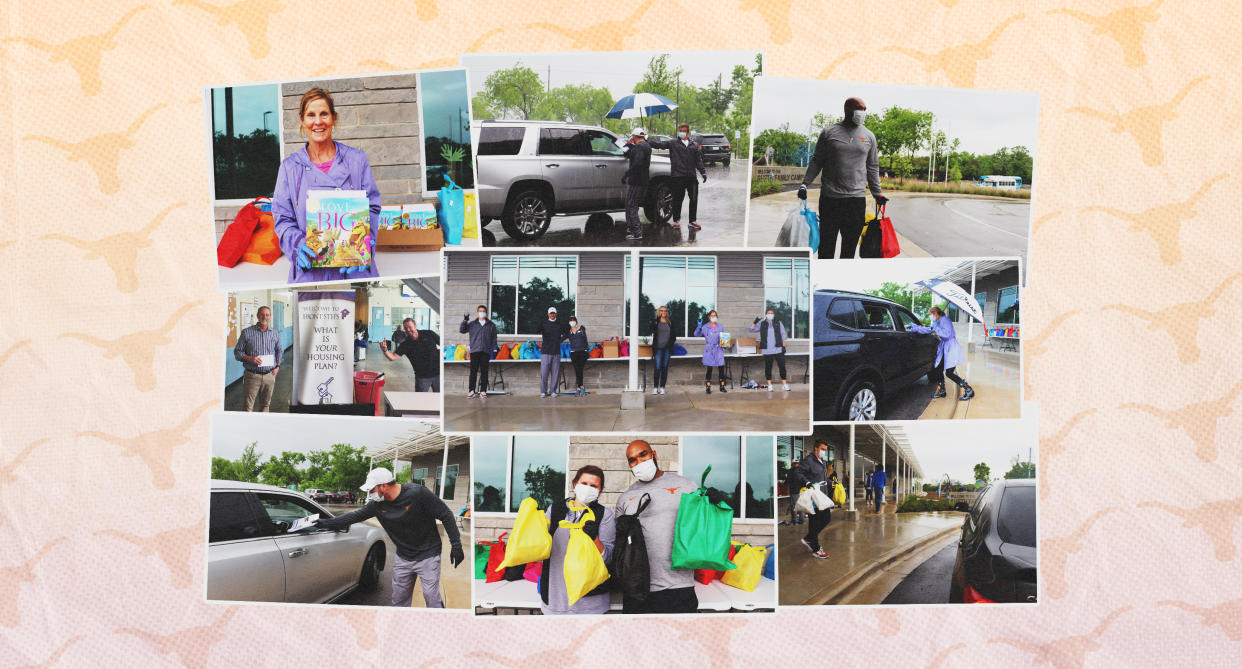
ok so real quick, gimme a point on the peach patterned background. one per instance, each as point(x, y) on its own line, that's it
point(110, 340)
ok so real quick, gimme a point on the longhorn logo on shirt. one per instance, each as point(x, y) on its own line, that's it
point(672, 491)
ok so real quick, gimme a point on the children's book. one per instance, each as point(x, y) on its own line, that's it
point(338, 227)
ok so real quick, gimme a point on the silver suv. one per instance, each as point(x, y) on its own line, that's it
point(530, 171)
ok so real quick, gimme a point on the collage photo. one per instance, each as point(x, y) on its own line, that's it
point(620, 333)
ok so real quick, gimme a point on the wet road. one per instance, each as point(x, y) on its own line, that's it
point(721, 211)
point(963, 226)
point(929, 582)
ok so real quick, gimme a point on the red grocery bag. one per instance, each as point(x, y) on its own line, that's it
point(494, 557)
point(889, 246)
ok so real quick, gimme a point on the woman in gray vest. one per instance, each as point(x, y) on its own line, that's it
point(588, 484)
point(772, 336)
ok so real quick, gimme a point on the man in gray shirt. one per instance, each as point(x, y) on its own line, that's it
point(258, 349)
point(672, 590)
point(846, 154)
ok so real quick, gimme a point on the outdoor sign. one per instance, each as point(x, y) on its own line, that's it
point(954, 294)
point(323, 361)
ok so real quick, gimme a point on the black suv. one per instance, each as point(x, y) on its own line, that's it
point(716, 148)
point(862, 352)
point(996, 556)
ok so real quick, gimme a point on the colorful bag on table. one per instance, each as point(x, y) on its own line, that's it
point(596, 351)
point(502, 353)
point(449, 351)
point(239, 236)
point(496, 555)
point(460, 353)
point(584, 564)
point(624, 348)
point(769, 565)
point(264, 247)
point(532, 571)
point(452, 211)
point(749, 560)
point(838, 494)
point(472, 217)
point(631, 573)
point(678, 349)
point(706, 576)
point(529, 540)
point(702, 532)
point(481, 551)
point(565, 350)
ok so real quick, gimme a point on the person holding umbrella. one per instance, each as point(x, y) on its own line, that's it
point(685, 158)
point(713, 355)
point(635, 179)
point(948, 353)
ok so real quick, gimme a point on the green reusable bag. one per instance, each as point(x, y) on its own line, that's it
point(701, 535)
point(481, 551)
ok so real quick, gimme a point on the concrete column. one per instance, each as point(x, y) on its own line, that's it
point(632, 397)
point(970, 332)
point(897, 475)
point(852, 514)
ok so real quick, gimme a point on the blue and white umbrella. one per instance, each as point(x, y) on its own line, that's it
point(955, 294)
point(639, 105)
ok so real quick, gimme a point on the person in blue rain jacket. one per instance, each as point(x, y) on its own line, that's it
point(321, 164)
point(713, 356)
point(948, 353)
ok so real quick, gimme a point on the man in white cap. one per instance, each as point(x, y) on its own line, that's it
point(408, 513)
point(553, 333)
point(635, 180)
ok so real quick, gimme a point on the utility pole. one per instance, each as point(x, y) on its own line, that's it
point(677, 112)
point(549, 79)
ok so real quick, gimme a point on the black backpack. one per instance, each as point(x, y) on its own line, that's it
point(871, 243)
point(630, 573)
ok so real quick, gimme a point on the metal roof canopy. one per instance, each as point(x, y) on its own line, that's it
point(419, 440)
point(868, 441)
point(960, 273)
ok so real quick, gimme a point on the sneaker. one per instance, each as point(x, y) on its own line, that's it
point(633, 238)
point(722, 388)
point(820, 555)
point(676, 225)
point(482, 395)
point(694, 225)
point(772, 388)
point(970, 392)
point(939, 392)
point(542, 395)
point(655, 391)
point(709, 389)
point(470, 395)
point(663, 392)
point(808, 545)
point(784, 386)
point(553, 395)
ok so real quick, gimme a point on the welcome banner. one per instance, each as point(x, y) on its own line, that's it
point(323, 362)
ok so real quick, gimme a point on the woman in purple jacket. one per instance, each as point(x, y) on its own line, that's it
point(948, 353)
point(713, 356)
point(321, 164)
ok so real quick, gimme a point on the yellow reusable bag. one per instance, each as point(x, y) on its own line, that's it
point(529, 540)
point(584, 564)
point(471, 231)
point(749, 560)
point(838, 494)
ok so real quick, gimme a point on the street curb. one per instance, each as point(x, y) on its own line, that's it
point(853, 580)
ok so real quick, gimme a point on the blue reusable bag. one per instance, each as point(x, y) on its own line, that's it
point(449, 351)
point(769, 567)
point(452, 211)
point(678, 349)
point(812, 221)
point(565, 351)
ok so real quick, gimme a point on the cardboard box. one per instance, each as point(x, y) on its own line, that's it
point(747, 345)
point(612, 349)
point(410, 240)
point(644, 350)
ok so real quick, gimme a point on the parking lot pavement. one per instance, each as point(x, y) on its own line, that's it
point(929, 582)
point(721, 212)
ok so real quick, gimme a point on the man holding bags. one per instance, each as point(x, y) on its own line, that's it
point(814, 469)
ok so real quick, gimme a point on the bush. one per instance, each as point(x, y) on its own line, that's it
point(764, 187)
point(961, 188)
point(913, 503)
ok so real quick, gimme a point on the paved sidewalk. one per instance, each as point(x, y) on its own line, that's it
point(850, 545)
point(997, 380)
point(767, 215)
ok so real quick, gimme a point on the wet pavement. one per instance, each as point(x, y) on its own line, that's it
point(683, 409)
point(454, 583)
point(929, 582)
point(721, 211)
point(849, 545)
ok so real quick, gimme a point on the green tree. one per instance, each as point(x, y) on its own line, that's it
point(347, 467)
point(512, 92)
point(983, 472)
point(717, 97)
point(545, 483)
point(1020, 469)
point(222, 468)
point(536, 296)
point(900, 131)
point(247, 467)
point(283, 471)
point(575, 103)
point(661, 79)
point(784, 141)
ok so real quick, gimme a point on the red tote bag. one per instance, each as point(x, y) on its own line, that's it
point(889, 246)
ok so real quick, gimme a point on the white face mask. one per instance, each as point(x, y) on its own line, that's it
point(573, 324)
point(373, 497)
point(585, 493)
point(482, 315)
point(771, 316)
point(823, 455)
point(859, 117)
point(712, 319)
point(681, 135)
point(645, 470)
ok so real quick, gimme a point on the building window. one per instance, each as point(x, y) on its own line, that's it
point(450, 481)
point(741, 468)
point(444, 120)
point(1007, 306)
point(245, 141)
point(982, 299)
point(787, 290)
point(684, 284)
point(507, 470)
point(419, 476)
point(523, 287)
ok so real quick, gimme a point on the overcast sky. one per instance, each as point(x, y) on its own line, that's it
point(869, 274)
point(233, 430)
point(618, 71)
point(954, 447)
point(983, 120)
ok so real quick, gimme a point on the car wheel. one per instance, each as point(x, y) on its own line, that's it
point(726, 163)
point(659, 209)
point(368, 580)
point(860, 402)
point(484, 221)
point(527, 215)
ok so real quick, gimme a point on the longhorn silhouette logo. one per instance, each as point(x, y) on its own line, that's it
point(191, 645)
point(1126, 26)
point(960, 62)
point(1197, 419)
point(1181, 320)
point(101, 152)
point(12, 578)
point(1055, 445)
point(8, 471)
point(603, 36)
point(1055, 553)
point(1217, 519)
point(174, 547)
point(775, 13)
point(1067, 652)
point(1163, 223)
point(56, 654)
point(119, 250)
point(84, 54)
point(155, 448)
point(138, 348)
point(1227, 615)
point(1145, 125)
point(251, 17)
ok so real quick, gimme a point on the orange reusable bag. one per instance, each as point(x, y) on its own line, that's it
point(264, 247)
point(503, 353)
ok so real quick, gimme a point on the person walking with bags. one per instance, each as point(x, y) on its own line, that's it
point(588, 483)
point(685, 158)
point(578, 347)
point(846, 155)
point(794, 483)
point(482, 342)
point(713, 355)
point(663, 339)
point(867, 488)
point(553, 333)
point(638, 153)
point(814, 469)
point(772, 336)
point(879, 479)
point(948, 353)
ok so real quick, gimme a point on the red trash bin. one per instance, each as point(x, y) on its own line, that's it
point(369, 388)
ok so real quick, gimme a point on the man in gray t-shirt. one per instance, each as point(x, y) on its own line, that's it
point(672, 590)
point(847, 157)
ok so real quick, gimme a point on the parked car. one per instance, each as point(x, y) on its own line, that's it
point(530, 171)
point(343, 497)
point(716, 148)
point(252, 556)
point(996, 556)
point(863, 352)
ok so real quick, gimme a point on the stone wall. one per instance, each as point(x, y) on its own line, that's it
point(783, 174)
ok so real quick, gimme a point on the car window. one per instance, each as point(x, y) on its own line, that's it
point(877, 316)
point(603, 144)
point(500, 140)
point(905, 319)
point(231, 517)
point(1015, 522)
point(561, 142)
point(282, 510)
point(713, 139)
point(844, 312)
point(976, 509)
